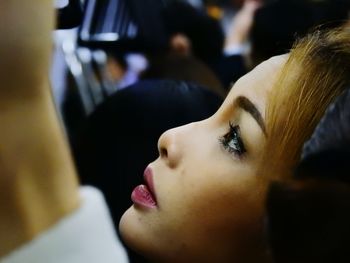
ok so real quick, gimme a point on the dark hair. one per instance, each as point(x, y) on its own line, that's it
point(308, 221)
point(184, 68)
point(204, 32)
point(278, 24)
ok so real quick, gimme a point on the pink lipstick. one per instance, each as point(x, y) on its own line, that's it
point(144, 195)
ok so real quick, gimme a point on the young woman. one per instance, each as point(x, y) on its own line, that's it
point(204, 196)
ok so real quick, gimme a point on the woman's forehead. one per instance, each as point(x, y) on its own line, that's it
point(257, 84)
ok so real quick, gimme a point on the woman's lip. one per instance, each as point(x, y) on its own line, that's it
point(145, 195)
point(148, 178)
point(142, 196)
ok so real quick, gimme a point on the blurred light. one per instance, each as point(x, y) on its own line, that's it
point(68, 46)
point(84, 55)
point(61, 3)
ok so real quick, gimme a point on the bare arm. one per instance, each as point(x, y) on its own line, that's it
point(38, 185)
point(242, 23)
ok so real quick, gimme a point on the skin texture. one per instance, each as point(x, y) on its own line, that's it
point(210, 201)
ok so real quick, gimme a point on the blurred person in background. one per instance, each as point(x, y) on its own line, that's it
point(276, 25)
point(184, 68)
point(197, 39)
point(262, 29)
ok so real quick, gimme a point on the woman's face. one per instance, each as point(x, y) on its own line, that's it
point(204, 198)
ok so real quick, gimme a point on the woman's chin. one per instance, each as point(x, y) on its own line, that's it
point(126, 228)
point(134, 234)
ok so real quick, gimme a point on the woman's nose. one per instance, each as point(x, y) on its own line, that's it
point(169, 148)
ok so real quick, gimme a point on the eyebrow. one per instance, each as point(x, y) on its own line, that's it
point(245, 104)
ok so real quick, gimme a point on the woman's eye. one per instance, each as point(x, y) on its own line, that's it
point(232, 141)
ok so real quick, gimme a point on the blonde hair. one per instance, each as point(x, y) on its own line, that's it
point(317, 70)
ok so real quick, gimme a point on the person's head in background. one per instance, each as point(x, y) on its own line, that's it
point(308, 218)
point(277, 24)
point(195, 43)
point(193, 32)
point(204, 198)
point(184, 68)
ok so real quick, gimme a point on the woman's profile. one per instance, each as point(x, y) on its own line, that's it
point(204, 196)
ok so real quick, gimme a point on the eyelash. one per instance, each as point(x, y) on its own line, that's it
point(232, 141)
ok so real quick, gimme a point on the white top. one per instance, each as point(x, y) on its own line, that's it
point(86, 236)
